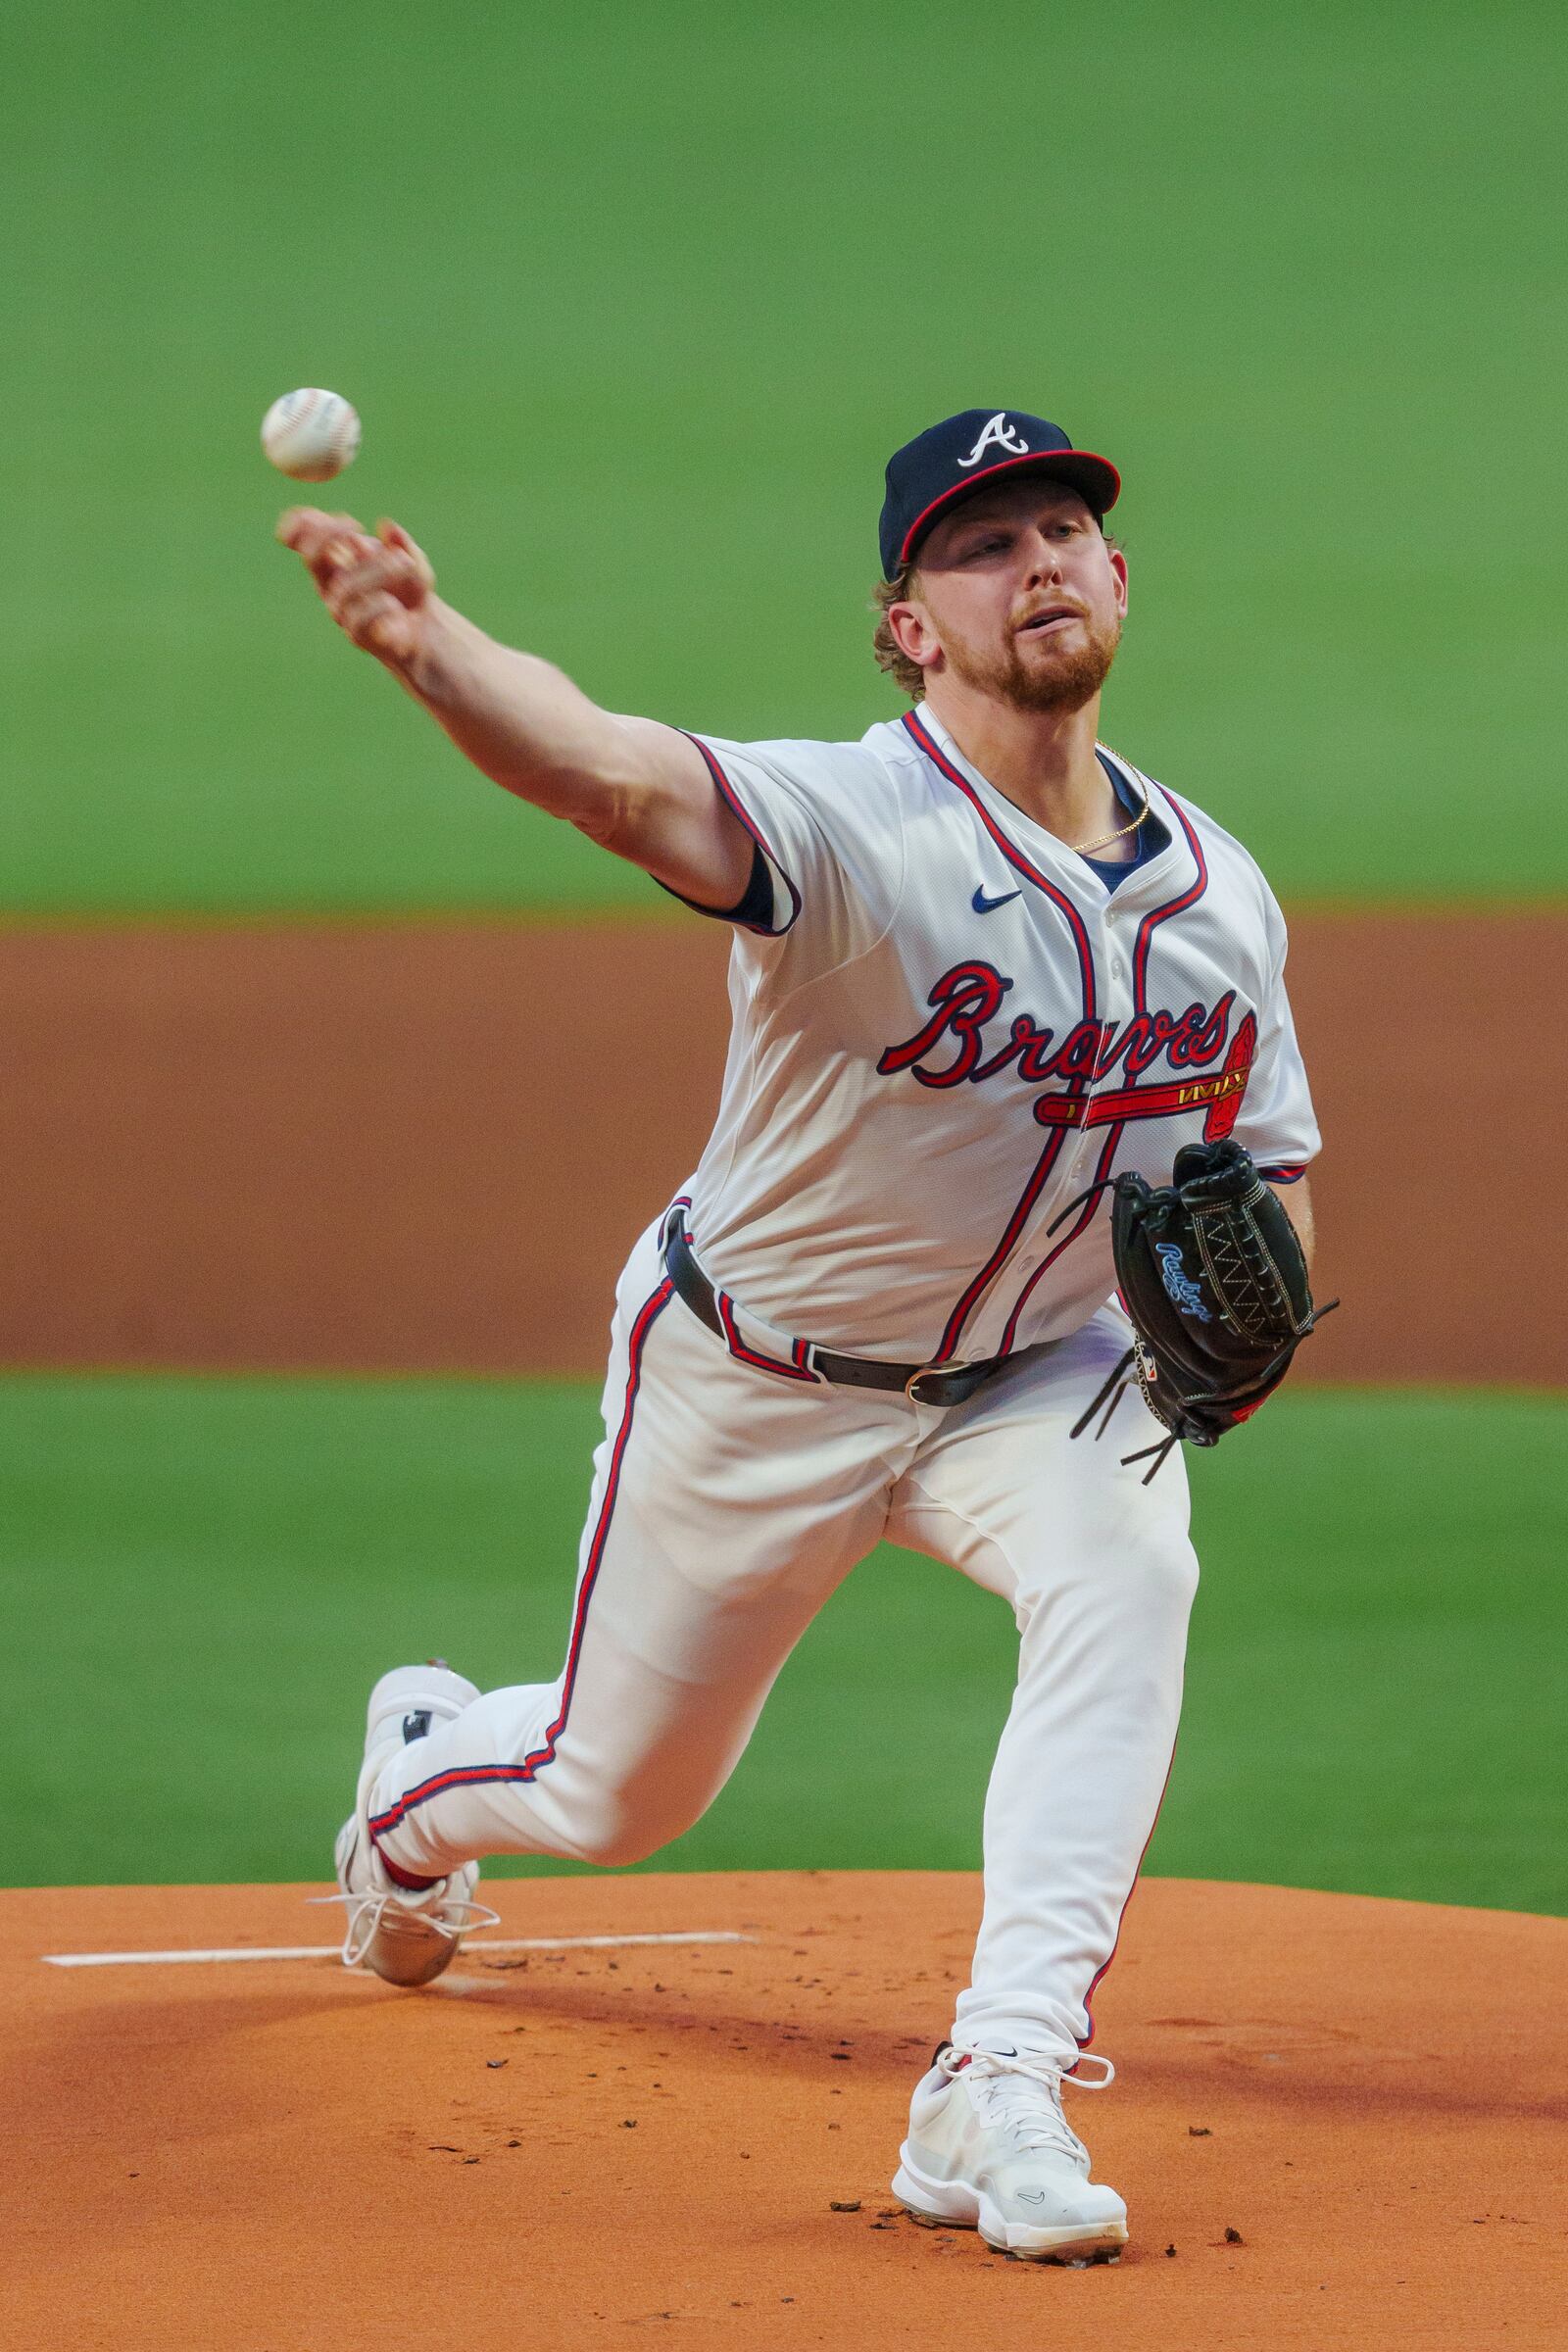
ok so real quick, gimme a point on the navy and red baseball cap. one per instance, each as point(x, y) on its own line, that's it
point(929, 473)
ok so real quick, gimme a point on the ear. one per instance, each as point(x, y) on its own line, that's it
point(914, 634)
point(1118, 565)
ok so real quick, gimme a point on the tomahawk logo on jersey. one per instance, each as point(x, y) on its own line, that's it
point(947, 1027)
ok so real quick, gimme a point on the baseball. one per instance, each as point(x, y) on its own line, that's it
point(311, 434)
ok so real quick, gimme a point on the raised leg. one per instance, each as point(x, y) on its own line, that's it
point(726, 1507)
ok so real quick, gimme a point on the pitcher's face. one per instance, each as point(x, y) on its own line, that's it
point(1017, 594)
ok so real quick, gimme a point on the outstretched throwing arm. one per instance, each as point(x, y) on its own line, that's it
point(637, 788)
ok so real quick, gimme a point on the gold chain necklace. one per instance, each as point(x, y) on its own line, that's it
point(1087, 849)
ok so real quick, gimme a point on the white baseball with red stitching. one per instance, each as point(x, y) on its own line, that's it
point(311, 434)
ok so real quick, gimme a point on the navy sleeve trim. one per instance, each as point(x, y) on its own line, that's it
point(733, 802)
point(1283, 1175)
point(753, 910)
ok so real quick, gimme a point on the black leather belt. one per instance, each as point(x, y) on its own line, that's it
point(946, 1384)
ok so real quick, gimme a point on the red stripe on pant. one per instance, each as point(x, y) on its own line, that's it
point(468, 1776)
point(1131, 1891)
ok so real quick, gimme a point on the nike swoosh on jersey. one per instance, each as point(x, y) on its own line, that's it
point(983, 906)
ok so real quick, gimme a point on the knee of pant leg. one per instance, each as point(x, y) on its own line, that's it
point(615, 1847)
point(1173, 1548)
point(621, 1835)
point(1164, 1577)
point(1152, 1580)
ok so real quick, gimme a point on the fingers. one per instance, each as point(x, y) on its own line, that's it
point(367, 569)
point(381, 625)
point(321, 541)
point(368, 584)
point(392, 534)
point(297, 523)
point(372, 616)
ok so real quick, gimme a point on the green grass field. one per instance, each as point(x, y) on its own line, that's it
point(635, 303)
point(203, 1578)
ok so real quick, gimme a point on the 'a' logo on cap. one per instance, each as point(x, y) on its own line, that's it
point(999, 434)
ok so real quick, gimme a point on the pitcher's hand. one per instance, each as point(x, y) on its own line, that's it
point(379, 590)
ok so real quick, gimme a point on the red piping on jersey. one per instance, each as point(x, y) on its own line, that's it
point(1067, 1109)
point(1159, 914)
point(1016, 860)
point(1041, 458)
point(1152, 1101)
point(470, 1775)
point(1004, 1249)
point(737, 808)
point(1085, 1218)
point(1086, 976)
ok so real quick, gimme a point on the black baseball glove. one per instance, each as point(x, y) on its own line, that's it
point(1213, 1276)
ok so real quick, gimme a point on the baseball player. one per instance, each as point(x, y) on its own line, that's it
point(981, 966)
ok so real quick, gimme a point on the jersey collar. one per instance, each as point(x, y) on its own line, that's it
point(1170, 874)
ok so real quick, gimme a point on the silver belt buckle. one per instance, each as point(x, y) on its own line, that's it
point(915, 1377)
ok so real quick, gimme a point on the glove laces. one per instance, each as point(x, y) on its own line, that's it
point(1110, 1396)
point(1251, 1292)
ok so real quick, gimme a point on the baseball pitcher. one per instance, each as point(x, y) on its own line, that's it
point(991, 1218)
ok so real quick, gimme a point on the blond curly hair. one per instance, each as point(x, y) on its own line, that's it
point(906, 675)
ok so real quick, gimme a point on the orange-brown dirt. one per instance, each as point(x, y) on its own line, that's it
point(429, 1145)
point(1337, 2122)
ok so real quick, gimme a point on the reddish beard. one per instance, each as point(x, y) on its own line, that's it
point(1071, 677)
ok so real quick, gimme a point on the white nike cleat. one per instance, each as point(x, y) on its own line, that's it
point(990, 2149)
point(406, 1935)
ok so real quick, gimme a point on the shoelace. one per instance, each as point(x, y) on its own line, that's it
point(1011, 2094)
point(367, 1911)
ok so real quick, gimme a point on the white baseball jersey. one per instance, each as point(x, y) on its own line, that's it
point(947, 1030)
point(947, 1027)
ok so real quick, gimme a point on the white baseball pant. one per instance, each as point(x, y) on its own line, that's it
point(728, 1503)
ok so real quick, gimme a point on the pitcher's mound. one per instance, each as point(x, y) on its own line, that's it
point(1337, 2123)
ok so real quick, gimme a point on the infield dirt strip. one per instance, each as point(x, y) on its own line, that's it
point(429, 1145)
point(1335, 2123)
